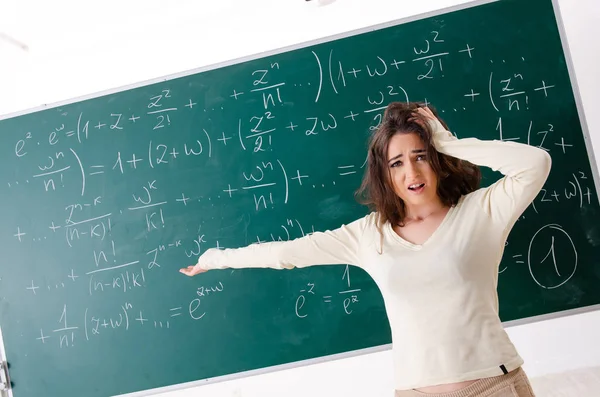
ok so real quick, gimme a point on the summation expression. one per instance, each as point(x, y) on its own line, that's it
point(428, 56)
point(83, 327)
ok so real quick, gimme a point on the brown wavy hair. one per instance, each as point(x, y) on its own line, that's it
point(455, 177)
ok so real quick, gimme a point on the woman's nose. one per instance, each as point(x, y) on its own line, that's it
point(411, 169)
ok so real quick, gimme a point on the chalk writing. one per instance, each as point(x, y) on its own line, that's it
point(129, 188)
point(346, 298)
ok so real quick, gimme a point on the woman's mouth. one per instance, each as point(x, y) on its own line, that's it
point(416, 187)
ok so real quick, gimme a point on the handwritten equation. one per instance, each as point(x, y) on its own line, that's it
point(129, 189)
point(90, 325)
point(311, 295)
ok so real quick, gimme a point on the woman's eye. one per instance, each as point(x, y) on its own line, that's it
point(396, 164)
point(421, 157)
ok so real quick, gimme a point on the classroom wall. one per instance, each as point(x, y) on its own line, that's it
point(107, 58)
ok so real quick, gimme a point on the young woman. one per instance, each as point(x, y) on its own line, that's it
point(433, 245)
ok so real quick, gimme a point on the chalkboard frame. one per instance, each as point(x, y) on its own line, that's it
point(4, 360)
point(326, 39)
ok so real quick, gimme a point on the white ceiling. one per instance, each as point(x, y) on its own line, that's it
point(69, 24)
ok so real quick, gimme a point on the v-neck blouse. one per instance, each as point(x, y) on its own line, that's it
point(389, 228)
point(441, 296)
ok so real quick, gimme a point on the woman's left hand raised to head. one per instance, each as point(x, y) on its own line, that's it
point(439, 132)
point(426, 112)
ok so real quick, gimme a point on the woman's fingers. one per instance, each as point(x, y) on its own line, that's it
point(418, 121)
point(426, 112)
point(419, 118)
point(186, 270)
point(191, 271)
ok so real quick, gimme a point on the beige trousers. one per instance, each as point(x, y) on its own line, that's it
point(513, 384)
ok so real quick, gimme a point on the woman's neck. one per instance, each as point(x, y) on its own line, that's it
point(421, 212)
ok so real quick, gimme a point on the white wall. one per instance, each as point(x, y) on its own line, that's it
point(100, 58)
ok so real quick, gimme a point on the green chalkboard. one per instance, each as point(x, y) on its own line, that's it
point(105, 198)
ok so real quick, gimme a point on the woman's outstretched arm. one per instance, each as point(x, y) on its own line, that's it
point(338, 246)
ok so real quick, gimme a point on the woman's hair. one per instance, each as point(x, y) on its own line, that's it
point(455, 177)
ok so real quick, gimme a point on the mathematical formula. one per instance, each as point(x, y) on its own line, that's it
point(129, 181)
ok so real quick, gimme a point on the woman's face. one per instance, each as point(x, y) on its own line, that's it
point(413, 178)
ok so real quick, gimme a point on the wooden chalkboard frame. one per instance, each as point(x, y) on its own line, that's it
point(471, 4)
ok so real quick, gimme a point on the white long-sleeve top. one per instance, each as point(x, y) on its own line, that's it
point(440, 296)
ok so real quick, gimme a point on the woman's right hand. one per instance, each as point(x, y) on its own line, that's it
point(192, 270)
